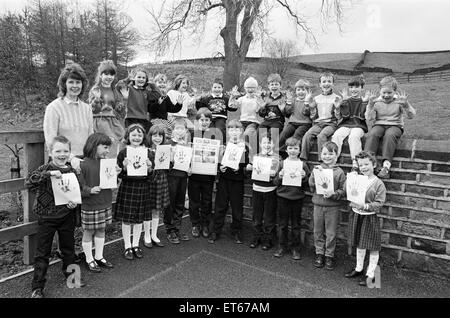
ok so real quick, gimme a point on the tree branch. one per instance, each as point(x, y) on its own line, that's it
point(211, 6)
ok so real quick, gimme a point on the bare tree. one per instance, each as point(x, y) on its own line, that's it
point(278, 52)
point(242, 19)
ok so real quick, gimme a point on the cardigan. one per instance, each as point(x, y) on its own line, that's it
point(375, 198)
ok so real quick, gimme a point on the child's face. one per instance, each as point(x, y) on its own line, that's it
point(136, 137)
point(183, 85)
point(179, 131)
point(107, 79)
point(157, 139)
point(234, 132)
point(60, 153)
point(300, 92)
point(217, 89)
point(366, 166)
point(274, 87)
point(355, 91)
point(140, 79)
point(266, 145)
point(328, 157)
point(73, 87)
point(326, 84)
point(387, 94)
point(204, 122)
point(103, 151)
point(250, 89)
point(293, 151)
point(161, 84)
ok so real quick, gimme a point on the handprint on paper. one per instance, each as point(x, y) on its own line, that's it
point(258, 168)
point(64, 185)
point(181, 156)
point(324, 181)
point(109, 171)
point(294, 173)
point(137, 162)
point(163, 157)
point(353, 185)
point(233, 155)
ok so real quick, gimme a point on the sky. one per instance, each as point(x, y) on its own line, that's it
point(374, 25)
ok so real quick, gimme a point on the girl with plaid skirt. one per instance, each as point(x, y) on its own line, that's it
point(364, 227)
point(159, 191)
point(96, 209)
point(133, 199)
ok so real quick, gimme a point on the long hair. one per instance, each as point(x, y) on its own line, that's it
point(177, 81)
point(156, 130)
point(106, 67)
point(93, 141)
point(139, 128)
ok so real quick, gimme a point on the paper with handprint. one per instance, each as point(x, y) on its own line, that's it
point(356, 188)
point(108, 174)
point(182, 158)
point(138, 161)
point(261, 168)
point(162, 157)
point(323, 180)
point(292, 175)
point(232, 156)
point(66, 189)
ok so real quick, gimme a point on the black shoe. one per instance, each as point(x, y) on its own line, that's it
point(137, 252)
point(205, 232)
point(129, 254)
point(183, 237)
point(159, 244)
point(238, 238)
point(149, 244)
point(354, 273)
point(212, 238)
point(93, 267)
point(104, 263)
point(254, 243)
point(363, 281)
point(37, 293)
point(319, 261)
point(173, 238)
point(329, 263)
point(195, 231)
point(280, 252)
point(296, 255)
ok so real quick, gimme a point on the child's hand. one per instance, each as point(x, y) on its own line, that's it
point(281, 173)
point(344, 94)
point(249, 167)
point(56, 173)
point(126, 162)
point(337, 101)
point(308, 96)
point(289, 96)
point(124, 90)
point(271, 115)
point(402, 98)
point(272, 173)
point(372, 96)
point(97, 93)
point(319, 167)
point(118, 169)
point(71, 205)
point(148, 162)
point(356, 206)
point(303, 174)
point(223, 168)
point(180, 99)
point(96, 190)
point(189, 172)
point(75, 163)
point(328, 193)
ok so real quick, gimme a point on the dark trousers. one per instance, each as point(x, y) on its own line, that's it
point(289, 211)
point(221, 124)
point(200, 202)
point(321, 131)
point(229, 192)
point(175, 210)
point(264, 216)
point(65, 227)
point(293, 130)
point(144, 122)
point(390, 135)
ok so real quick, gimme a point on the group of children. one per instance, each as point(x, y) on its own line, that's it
point(155, 118)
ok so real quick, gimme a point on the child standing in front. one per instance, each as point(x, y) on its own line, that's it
point(290, 201)
point(322, 112)
point(364, 226)
point(388, 112)
point(133, 199)
point(52, 218)
point(326, 208)
point(96, 209)
point(159, 190)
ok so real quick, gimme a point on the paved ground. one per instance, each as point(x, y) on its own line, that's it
point(198, 269)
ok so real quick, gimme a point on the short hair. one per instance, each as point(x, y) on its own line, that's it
point(326, 74)
point(274, 77)
point(177, 81)
point(73, 71)
point(330, 146)
point(94, 140)
point(303, 83)
point(61, 139)
point(180, 122)
point(234, 123)
point(141, 69)
point(156, 130)
point(205, 112)
point(132, 128)
point(357, 81)
point(292, 142)
point(218, 81)
point(160, 76)
point(367, 154)
point(389, 81)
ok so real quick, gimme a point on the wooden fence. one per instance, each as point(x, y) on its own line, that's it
point(33, 142)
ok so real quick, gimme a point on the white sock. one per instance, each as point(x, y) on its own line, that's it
point(99, 244)
point(360, 254)
point(373, 262)
point(126, 233)
point(155, 223)
point(87, 249)
point(147, 225)
point(137, 229)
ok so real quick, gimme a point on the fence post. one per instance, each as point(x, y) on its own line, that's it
point(34, 157)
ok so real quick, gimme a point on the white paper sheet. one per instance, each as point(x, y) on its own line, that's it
point(138, 157)
point(66, 189)
point(108, 173)
point(162, 157)
point(292, 173)
point(324, 180)
point(261, 168)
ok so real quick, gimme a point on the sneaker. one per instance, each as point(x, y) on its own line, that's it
point(195, 231)
point(329, 263)
point(296, 255)
point(319, 261)
point(255, 242)
point(137, 252)
point(183, 237)
point(212, 238)
point(266, 246)
point(205, 232)
point(129, 254)
point(238, 238)
point(280, 252)
point(173, 238)
point(384, 173)
point(37, 293)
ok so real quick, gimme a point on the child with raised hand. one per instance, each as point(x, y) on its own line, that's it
point(52, 218)
point(290, 202)
point(159, 190)
point(299, 115)
point(96, 209)
point(133, 199)
point(351, 121)
point(322, 112)
point(388, 112)
point(264, 199)
point(230, 189)
point(364, 226)
point(326, 208)
point(177, 180)
point(181, 86)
